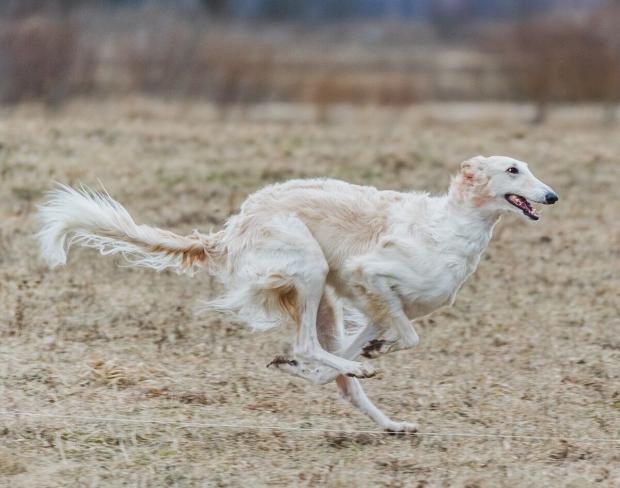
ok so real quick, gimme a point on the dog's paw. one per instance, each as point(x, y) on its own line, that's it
point(376, 348)
point(362, 370)
point(311, 371)
point(401, 427)
point(279, 360)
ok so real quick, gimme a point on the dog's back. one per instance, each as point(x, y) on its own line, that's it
point(344, 218)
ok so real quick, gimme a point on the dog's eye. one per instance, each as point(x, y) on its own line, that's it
point(513, 170)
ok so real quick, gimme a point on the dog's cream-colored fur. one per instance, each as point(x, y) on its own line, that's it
point(321, 256)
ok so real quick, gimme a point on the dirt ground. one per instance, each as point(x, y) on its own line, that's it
point(108, 377)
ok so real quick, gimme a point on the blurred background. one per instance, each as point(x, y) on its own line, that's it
point(239, 53)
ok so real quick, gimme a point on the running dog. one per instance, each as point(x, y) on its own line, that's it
point(323, 257)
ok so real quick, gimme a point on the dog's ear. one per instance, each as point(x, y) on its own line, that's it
point(471, 169)
point(471, 182)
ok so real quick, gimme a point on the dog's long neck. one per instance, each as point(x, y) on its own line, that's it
point(470, 222)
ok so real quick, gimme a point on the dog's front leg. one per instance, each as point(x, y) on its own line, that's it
point(388, 328)
point(370, 333)
point(351, 390)
point(398, 321)
point(387, 343)
point(372, 342)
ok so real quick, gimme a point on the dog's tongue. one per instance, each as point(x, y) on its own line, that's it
point(517, 200)
point(524, 205)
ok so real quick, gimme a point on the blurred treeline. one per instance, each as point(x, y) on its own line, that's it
point(322, 52)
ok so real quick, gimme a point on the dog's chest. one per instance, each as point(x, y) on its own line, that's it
point(433, 281)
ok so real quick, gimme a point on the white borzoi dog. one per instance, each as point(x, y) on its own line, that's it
point(321, 256)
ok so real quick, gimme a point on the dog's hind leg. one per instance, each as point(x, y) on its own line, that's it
point(297, 268)
point(331, 330)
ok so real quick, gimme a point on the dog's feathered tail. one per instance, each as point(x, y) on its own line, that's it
point(93, 219)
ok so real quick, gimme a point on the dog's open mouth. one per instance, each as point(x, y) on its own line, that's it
point(522, 204)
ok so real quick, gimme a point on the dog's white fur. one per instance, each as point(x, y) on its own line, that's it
point(320, 255)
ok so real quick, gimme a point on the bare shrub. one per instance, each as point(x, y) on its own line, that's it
point(337, 88)
point(241, 72)
point(178, 58)
point(605, 21)
point(161, 57)
point(41, 60)
point(557, 59)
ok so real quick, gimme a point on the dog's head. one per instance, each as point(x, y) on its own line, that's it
point(503, 184)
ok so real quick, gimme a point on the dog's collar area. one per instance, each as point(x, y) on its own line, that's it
point(522, 204)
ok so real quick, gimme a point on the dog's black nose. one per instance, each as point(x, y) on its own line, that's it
point(551, 197)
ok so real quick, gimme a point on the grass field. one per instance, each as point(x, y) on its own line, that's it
point(531, 347)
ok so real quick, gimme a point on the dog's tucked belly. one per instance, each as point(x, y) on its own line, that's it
point(418, 305)
point(417, 309)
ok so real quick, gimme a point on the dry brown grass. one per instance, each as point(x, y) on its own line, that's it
point(531, 346)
